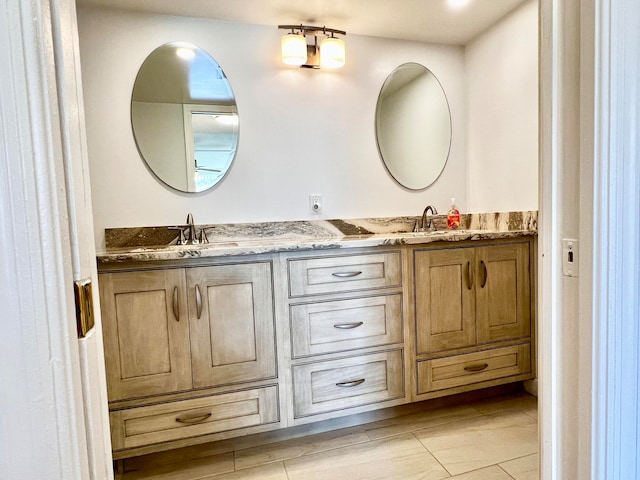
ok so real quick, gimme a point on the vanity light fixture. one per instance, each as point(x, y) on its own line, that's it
point(329, 53)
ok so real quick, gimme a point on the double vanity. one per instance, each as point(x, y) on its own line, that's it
point(275, 325)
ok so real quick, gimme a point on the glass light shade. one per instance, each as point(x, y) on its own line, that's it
point(294, 49)
point(332, 53)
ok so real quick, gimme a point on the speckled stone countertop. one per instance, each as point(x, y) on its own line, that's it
point(159, 243)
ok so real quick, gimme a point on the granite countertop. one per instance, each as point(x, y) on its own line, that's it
point(158, 243)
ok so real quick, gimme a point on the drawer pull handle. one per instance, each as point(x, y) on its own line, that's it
point(346, 274)
point(175, 305)
point(476, 368)
point(485, 275)
point(353, 383)
point(348, 326)
point(198, 302)
point(190, 420)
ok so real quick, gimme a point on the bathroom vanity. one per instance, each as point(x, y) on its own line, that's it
point(277, 325)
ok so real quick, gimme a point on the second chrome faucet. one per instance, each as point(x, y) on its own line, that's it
point(425, 224)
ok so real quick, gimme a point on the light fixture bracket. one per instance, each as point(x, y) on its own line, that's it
point(311, 30)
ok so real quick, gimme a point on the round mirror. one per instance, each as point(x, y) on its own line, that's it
point(413, 126)
point(184, 117)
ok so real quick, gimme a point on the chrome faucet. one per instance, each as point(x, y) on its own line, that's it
point(187, 233)
point(191, 231)
point(425, 224)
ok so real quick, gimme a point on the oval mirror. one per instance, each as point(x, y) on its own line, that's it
point(184, 117)
point(413, 126)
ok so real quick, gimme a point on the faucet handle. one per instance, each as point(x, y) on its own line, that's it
point(203, 236)
point(181, 239)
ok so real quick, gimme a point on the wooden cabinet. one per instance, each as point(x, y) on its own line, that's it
point(232, 324)
point(173, 332)
point(503, 292)
point(445, 299)
point(469, 296)
point(476, 300)
point(146, 333)
point(193, 349)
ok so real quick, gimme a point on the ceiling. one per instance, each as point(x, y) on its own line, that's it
point(432, 21)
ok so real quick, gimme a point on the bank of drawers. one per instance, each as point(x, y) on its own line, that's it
point(340, 305)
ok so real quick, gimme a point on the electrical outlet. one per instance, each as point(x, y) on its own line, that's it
point(315, 203)
point(570, 257)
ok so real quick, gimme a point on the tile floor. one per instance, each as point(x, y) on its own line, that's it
point(491, 439)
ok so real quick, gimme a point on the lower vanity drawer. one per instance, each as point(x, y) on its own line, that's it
point(322, 387)
point(470, 368)
point(165, 422)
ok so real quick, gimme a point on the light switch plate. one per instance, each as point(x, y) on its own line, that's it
point(570, 257)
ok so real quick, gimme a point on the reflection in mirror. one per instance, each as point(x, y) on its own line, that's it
point(413, 126)
point(184, 117)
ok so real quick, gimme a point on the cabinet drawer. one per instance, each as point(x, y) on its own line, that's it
point(458, 370)
point(314, 276)
point(341, 325)
point(190, 418)
point(348, 382)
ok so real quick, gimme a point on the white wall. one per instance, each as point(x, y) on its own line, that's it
point(502, 95)
point(301, 131)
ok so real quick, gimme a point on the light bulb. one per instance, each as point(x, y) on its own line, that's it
point(332, 53)
point(294, 49)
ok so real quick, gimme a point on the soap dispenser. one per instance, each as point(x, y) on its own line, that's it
point(453, 216)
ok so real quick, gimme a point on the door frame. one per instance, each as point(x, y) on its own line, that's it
point(589, 339)
point(57, 422)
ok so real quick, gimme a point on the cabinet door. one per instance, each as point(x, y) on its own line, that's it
point(503, 307)
point(444, 299)
point(146, 332)
point(232, 323)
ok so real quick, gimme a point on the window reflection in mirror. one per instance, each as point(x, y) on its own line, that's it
point(413, 126)
point(184, 117)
